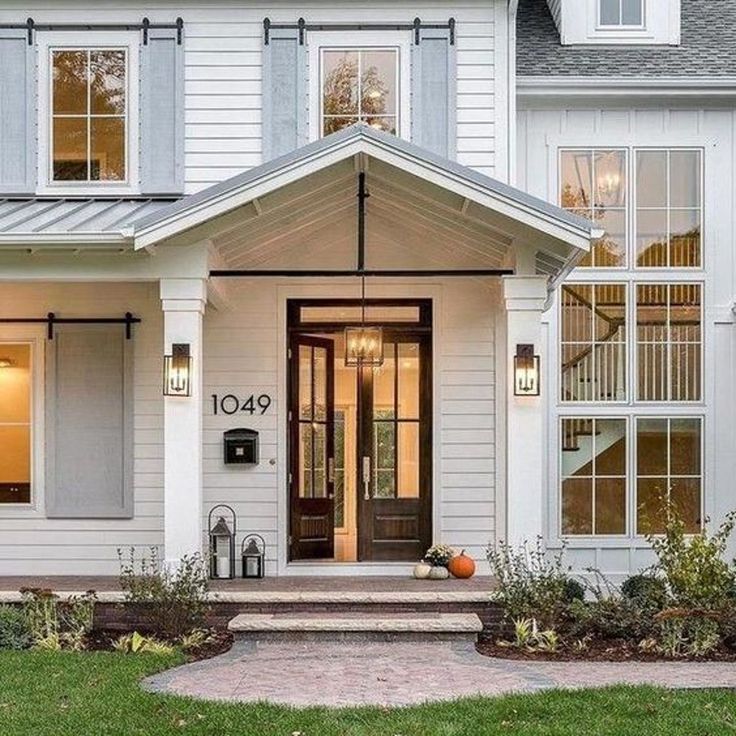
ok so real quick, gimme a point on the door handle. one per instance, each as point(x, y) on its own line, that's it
point(367, 477)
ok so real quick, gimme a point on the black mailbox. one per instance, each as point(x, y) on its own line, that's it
point(241, 447)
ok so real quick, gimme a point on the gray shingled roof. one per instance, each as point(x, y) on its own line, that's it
point(708, 47)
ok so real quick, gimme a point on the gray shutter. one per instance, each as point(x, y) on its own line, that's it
point(162, 113)
point(89, 423)
point(434, 92)
point(284, 93)
point(18, 149)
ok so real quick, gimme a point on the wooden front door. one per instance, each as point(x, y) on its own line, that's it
point(311, 426)
point(395, 451)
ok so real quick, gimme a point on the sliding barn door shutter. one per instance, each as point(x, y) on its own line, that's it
point(89, 423)
point(434, 89)
point(162, 112)
point(17, 112)
point(284, 92)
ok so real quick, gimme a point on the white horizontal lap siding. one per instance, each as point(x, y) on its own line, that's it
point(540, 133)
point(241, 348)
point(464, 366)
point(30, 543)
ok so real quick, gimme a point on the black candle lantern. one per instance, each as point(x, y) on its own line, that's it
point(254, 556)
point(222, 543)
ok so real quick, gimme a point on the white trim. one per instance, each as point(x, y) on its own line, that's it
point(549, 86)
point(49, 41)
point(400, 41)
point(35, 336)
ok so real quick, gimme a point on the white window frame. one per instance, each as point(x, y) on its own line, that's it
point(632, 408)
point(399, 41)
point(580, 24)
point(600, 26)
point(35, 338)
point(129, 41)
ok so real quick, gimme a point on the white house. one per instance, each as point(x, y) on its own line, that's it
point(307, 261)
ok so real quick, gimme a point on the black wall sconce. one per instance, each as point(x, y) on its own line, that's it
point(526, 371)
point(178, 371)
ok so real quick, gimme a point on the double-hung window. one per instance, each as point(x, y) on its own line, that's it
point(88, 140)
point(630, 344)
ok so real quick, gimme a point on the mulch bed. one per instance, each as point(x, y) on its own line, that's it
point(610, 650)
point(220, 641)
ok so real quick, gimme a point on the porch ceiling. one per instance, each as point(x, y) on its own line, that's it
point(423, 212)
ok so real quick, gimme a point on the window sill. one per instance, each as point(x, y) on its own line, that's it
point(86, 191)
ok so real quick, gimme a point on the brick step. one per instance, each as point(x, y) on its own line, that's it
point(429, 626)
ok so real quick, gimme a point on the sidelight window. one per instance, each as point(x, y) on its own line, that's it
point(16, 382)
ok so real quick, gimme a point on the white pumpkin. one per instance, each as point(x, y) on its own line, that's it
point(422, 570)
point(439, 573)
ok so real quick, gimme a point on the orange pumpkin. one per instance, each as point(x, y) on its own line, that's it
point(461, 566)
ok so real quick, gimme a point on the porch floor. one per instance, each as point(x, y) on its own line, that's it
point(476, 586)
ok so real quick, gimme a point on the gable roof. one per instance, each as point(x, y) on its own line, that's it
point(355, 141)
point(707, 48)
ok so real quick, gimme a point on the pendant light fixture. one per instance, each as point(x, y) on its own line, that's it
point(363, 344)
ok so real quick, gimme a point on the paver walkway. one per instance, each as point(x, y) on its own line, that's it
point(397, 674)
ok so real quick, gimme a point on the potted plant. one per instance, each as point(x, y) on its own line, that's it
point(439, 555)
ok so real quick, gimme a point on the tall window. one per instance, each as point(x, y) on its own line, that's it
point(668, 469)
point(15, 422)
point(593, 184)
point(88, 115)
point(618, 13)
point(668, 209)
point(359, 85)
point(630, 338)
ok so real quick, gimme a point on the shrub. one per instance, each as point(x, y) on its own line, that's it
point(55, 624)
point(647, 591)
point(687, 633)
point(136, 643)
point(693, 566)
point(14, 632)
point(170, 603)
point(531, 584)
point(608, 617)
point(573, 591)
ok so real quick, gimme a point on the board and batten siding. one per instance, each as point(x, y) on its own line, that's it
point(31, 543)
point(223, 72)
point(245, 353)
point(541, 131)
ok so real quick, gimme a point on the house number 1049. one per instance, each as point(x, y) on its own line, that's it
point(231, 404)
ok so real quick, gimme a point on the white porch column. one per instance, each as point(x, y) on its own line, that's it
point(525, 298)
point(183, 302)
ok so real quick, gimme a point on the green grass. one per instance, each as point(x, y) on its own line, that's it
point(97, 694)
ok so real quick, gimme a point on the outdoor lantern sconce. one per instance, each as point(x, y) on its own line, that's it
point(178, 371)
point(254, 556)
point(222, 543)
point(526, 371)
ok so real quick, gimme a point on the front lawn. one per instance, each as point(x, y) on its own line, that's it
point(97, 694)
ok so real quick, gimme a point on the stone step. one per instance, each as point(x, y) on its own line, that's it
point(430, 626)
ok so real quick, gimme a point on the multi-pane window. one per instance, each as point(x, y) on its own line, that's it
point(668, 470)
point(360, 85)
point(668, 209)
point(668, 342)
point(593, 471)
point(593, 342)
point(626, 339)
point(593, 184)
point(88, 115)
point(618, 13)
point(15, 422)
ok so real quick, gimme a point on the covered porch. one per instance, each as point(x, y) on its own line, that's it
point(272, 263)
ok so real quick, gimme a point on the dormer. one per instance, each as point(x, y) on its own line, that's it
point(617, 22)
